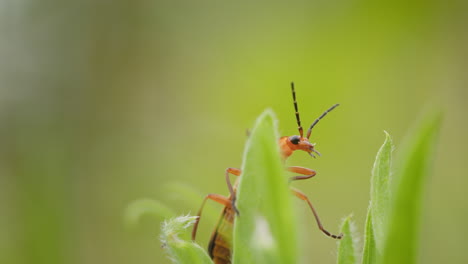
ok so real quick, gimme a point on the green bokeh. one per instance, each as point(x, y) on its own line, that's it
point(106, 102)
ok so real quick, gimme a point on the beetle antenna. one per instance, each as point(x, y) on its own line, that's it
point(298, 119)
point(318, 119)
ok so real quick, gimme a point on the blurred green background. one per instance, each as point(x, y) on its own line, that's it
point(106, 102)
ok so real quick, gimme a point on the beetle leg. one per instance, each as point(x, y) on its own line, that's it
point(303, 197)
point(215, 197)
point(233, 171)
point(236, 172)
point(306, 173)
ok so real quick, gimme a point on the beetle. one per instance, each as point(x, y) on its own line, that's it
point(219, 247)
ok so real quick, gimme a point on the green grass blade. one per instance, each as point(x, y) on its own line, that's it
point(380, 191)
point(369, 254)
point(346, 246)
point(265, 230)
point(177, 244)
point(379, 203)
point(404, 220)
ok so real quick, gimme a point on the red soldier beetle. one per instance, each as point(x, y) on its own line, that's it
point(219, 247)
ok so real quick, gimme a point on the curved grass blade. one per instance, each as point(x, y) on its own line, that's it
point(177, 244)
point(264, 232)
point(346, 246)
point(380, 191)
point(379, 203)
point(404, 221)
point(369, 254)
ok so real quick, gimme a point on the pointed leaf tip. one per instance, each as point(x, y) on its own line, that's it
point(347, 245)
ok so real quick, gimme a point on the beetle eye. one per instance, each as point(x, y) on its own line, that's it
point(295, 139)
